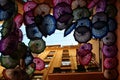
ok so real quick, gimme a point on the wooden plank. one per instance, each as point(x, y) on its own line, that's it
point(77, 76)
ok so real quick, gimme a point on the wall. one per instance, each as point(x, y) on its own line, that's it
point(118, 35)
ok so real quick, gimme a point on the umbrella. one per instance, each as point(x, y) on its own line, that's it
point(81, 12)
point(61, 26)
point(85, 46)
point(85, 59)
point(110, 63)
point(40, 65)
point(42, 9)
point(29, 18)
point(111, 11)
point(99, 29)
point(111, 74)
point(8, 62)
point(28, 57)
point(69, 29)
point(101, 6)
point(109, 39)
point(109, 51)
point(7, 10)
point(82, 34)
point(29, 5)
point(30, 69)
point(55, 2)
point(33, 32)
point(60, 9)
point(65, 18)
point(37, 46)
point(99, 16)
point(19, 52)
point(112, 24)
point(84, 22)
point(18, 19)
point(49, 25)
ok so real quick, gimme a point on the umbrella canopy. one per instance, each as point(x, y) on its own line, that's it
point(110, 63)
point(81, 12)
point(33, 32)
point(109, 51)
point(99, 29)
point(109, 39)
point(40, 65)
point(42, 9)
point(37, 46)
point(82, 34)
point(60, 9)
point(111, 11)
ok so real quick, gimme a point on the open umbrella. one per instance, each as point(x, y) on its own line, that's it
point(42, 9)
point(111, 11)
point(82, 34)
point(29, 5)
point(99, 29)
point(60, 9)
point(37, 46)
point(8, 62)
point(99, 16)
point(40, 65)
point(55, 2)
point(110, 63)
point(109, 51)
point(111, 74)
point(109, 39)
point(81, 12)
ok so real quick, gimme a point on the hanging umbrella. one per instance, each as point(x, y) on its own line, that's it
point(85, 59)
point(111, 74)
point(9, 44)
point(7, 27)
point(99, 29)
point(69, 29)
point(112, 24)
point(111, 11)
point(100, 16)
point(55, 2)
point(28, 57)
point(65, 18)
point(30, 69)
point(7, 9)
point(33, 32)
point(109, 39)
point(84, 22)
point(42, 9)
point(101, 6)
point(40, 65)
point(3, 2)
point(111, 2)
point(61, 26)
point(7, 73)
point(81, 12)
point(29, 5)
point(37, 46)
point(60, 9)
point(85, 46)
point(29, 18)
point(8, 62)
point(49, 25)
point(109, 51)
point(18, 20)
point(92, 3)
point(82, 34)
point(20, 51)
point(110, 63)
